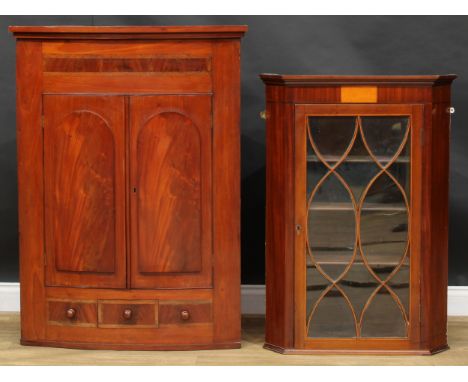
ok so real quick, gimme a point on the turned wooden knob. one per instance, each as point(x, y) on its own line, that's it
point(184, 315)
point(71, 313)
point(127, 314)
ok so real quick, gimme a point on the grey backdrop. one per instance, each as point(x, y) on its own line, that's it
point(281, 44)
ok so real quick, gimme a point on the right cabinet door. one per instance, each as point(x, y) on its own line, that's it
point(170, 188)
point(357, 250)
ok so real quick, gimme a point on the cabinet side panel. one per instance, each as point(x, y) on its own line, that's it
point(30, 188)
point(226, 186)
point(435, 259)
point(279, 221)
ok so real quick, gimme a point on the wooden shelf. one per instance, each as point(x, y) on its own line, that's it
point(349, 207)
point(383, 260)
point(357, 159)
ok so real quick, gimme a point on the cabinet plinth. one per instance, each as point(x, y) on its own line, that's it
point(129, 190)
point(357, 214)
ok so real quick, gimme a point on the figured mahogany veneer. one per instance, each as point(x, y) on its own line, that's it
point(75, 313)
point(303, 243)
point(129, 186)
point(185, 312)
point(130, 313)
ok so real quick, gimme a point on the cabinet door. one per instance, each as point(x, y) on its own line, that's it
point(357, 265)
point(84, 183)
point(171, 196)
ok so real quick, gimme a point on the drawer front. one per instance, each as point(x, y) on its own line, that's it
point(74, 313)
point(128, 313)
point(184, 312)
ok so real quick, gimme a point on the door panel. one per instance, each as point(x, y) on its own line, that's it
point(170, 171)
point(354, 198)
point(84, 183)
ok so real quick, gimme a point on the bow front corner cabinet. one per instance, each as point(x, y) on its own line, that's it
point(357, 225)
point(129, 186)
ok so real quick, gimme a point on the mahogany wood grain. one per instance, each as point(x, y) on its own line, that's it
point(304, 80)
point(435, 225)
point(426, 99)
point(83, 313)
point(99, 84)
point(122, 49)
point(171, 203)
point(128, 83)
point(184, 312)
point(104, 337)
point(30, 189)
point(129, 32)
point(116, 64)
point(127, 313)
point(84, 158)
point(280, 226)
point(129, 294)
point(226, 191)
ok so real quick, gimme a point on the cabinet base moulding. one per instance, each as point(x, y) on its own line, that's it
point(108, 346)
point(287, 351)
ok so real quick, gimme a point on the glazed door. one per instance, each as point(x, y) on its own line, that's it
point(170, 182)
point(357, 221)
point(84, 194)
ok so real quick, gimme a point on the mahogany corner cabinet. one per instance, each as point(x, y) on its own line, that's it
point(356, 221)
point(129, 186)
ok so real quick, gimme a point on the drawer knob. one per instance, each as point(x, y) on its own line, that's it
point(184, 315)
point(71, 313)
point(127, 314)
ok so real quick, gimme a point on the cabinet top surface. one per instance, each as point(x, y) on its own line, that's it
point(125, 32)
point(310, 80)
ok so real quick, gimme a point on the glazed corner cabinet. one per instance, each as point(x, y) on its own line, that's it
point(129, 186)
point(356, 221)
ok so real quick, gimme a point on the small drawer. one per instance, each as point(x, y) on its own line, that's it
point(69, 312)
point(128, 313)
point(184, 312)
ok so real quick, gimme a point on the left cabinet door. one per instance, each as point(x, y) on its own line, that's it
point(84, 184)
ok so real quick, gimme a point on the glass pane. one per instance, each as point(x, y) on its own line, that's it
point(316, 285)
point(358, 187)
point(358, 284)
point(331, 135)
point(331, 237)
point(384, 226)
point(399, 283)
point(383, 318)
point(384, 135)
point(322, 324)
point(331, 227)
point(358, 168)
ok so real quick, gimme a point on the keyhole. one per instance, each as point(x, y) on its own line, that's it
point(134, 189)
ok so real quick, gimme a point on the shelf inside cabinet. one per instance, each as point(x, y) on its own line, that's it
point(339, 259)
point(341, 206)
point(357, 159)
